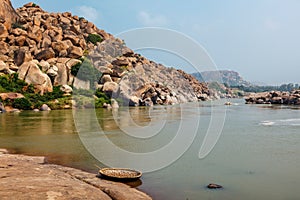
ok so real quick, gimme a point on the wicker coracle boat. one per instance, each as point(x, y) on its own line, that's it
point(120, 173)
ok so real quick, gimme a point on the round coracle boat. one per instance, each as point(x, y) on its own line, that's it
point(120, 173)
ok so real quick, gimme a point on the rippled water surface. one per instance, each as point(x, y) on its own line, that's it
point(256, 157)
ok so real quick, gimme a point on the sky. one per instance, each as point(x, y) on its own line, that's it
point(260, 39)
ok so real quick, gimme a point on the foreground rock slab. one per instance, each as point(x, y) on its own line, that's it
point(27, 177)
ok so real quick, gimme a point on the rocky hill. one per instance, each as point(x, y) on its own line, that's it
point(231, 78)
point(59, 49)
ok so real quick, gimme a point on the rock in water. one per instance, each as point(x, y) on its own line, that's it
point(214, 186)
point(2, 109)
point(45, 107)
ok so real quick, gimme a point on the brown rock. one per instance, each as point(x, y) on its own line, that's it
point(8, 13)
point(65, 20)
point(37, 21)
point(19, 57)
point(105, 78)
point(110, 87)
point(40, 80)
point(45, 54)
point(45, 107)
point(3, 31)
point(74, 39)
point(72, 62)
point(3, 66)
point(38, 180)
point(30, 42)
point(46, 42)
point(20, 40)
point(59, 46)
point(4, 48)
point(36, 35)
point(66, 89)
point(45, 65)
point(105, 70)
point(18, 32)
point(80, 84)
point(11, 95)
point(75, 52)
point(121, 61)
point(32, 74)
point(62, 75)
point(214, 186)
point(23, 70)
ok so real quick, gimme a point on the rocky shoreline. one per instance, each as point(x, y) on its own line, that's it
point(49, 50)
point(29, 177)
point(274, 97)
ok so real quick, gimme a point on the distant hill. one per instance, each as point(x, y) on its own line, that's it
point(231, 78)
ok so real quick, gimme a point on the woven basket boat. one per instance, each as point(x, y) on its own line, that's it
point(120, 173)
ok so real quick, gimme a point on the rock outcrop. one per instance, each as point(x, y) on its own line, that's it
point(28, 177)
point(45, 47)
point(274, 97)
point(8, 15)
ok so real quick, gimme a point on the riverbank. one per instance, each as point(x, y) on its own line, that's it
point(30, 177)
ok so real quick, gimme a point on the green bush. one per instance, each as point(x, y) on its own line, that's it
point(22, 104)
point(11, 83)
point(18, 25)
point(100, 94)
point(87, 93)
point(94, 38)
point(87, 71)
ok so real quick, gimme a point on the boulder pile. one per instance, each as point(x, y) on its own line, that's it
point(274, 97)
point(43, 48)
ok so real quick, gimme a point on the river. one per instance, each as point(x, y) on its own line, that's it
point(257, 155)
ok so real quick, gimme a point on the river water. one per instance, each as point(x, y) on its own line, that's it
point(257, 155)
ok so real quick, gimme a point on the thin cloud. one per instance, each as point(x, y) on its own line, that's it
point(88, 12)
point(148, 19)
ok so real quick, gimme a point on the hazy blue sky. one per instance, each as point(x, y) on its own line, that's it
point(257, 38)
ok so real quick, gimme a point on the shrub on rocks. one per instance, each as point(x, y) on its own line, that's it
point(22, 103)
point(94, 38)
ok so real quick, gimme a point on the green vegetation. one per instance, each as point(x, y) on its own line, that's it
point(86, 98)
point(86, 71)
point(217, 86)
point(94, 38)
point(254, 88)
point(22, 103)
point(18, 25)
point(55, 99)
point(11, 83)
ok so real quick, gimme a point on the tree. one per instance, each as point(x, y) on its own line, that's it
point(8, 15)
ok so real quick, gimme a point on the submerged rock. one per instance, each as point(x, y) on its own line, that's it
point(214, 186)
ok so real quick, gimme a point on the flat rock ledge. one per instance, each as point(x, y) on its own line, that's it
point(29, 177)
